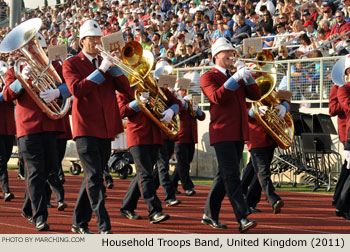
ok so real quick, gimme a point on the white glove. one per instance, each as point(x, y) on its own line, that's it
point(144, 97)
point(179, 97)
point(239, 64)
point(105, 64)
point(346, 155)
point(262, 109)
point(26, 72)
point(281, 111)
point(167, 115)
point(49, 95)
point(188, 97)
point(195, 106)
point(243, 73)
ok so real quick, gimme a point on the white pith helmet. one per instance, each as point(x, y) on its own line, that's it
point(162, 67)
point(41, 40)
point(90, 28)
point(221, 44)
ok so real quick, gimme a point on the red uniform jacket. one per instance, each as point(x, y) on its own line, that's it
point(343, 95)
point(29, 118)
point(7, 122)
point(140, 129)
point(95, 110)
point(336, 110)
point(188, 127)
point(228, 115)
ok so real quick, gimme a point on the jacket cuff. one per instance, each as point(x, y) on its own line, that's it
point(1, 97)
point(286, 104)
point(175, 108)
point(96, 76)
point(64, 91)
point(115, 71)
point(134, 106)
point(199, 112)
point(231, 84)
point(249, 81)
point(250, 113)
point(16, 87)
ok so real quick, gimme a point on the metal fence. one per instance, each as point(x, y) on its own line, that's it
point(309, 79)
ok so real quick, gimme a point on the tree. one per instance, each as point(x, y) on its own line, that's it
point(46, 3)
point(58, 2)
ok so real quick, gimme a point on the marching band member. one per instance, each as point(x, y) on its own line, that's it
point(144, 139)
point(96, 120)
point(262, 146)
point(228, 130)
point(37, 141)
point(186, 140)
point(161, 170)
point(7, 133)
point(343, 202)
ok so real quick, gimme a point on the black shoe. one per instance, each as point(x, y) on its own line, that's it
point(338, 213)
point(42, 226)
point(177, 192)
point(61, 205)
point(20, 176)
point(172, 202)
point(109, 185)
point(106, 232)
point(8, 196)
point(245, 224)
point(130, 215)
point(49, 205)
point(159, 217)
point(213, 223)
point(190, 192)
point(79, 230)
point(277, 206)
point(346, 215)
point(254, 210)
point(29, 218)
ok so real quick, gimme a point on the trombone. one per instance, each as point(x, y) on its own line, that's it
point(262, 63)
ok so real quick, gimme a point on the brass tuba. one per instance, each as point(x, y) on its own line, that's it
point(137, 65)
point(44, 76)
point(281, 130)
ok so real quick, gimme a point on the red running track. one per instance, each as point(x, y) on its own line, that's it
point(303, 213)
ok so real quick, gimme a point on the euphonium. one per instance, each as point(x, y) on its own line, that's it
point(281, 130)
point(137, 65)
point(44, 76)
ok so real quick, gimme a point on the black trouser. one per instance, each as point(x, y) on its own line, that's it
point(161, 171)
point(108, 178)
point(20, 159)
point(261, 159)
point(342, 202)
point(184, 154)
point(250, 185)
point(40, 156)
point(227, 181)
point(94, 154)
point(6, 144)
point(53, 181)
point(145, 157)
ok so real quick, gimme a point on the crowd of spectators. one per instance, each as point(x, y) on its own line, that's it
point(180, 29)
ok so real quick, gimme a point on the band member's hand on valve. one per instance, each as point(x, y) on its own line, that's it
point(346, 155)
point(105, 64)
point(144, 97)
point(49, 95)
point(167, 115)
point(262, 110)
point(26, 72)
point(281, 110)
point(243, 73)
